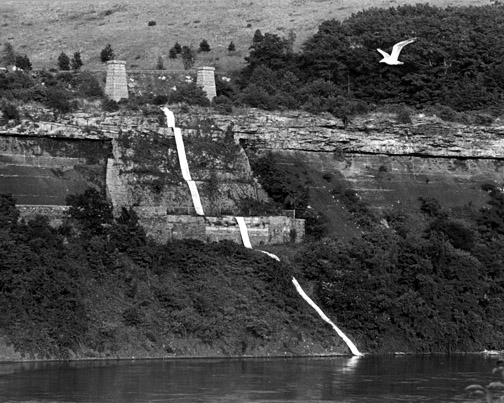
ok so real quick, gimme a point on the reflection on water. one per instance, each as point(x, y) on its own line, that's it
point(336, 379)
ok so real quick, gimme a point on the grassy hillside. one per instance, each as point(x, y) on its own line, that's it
point(42, 29)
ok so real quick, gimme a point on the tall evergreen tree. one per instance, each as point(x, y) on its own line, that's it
point(204, 46)
point(23, 62)
point(76, 61)
point(9, 56)
point(63, 61)
point(107, 54)
point(188, 57)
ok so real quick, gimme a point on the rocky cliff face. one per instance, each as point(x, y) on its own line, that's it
point(387, 163)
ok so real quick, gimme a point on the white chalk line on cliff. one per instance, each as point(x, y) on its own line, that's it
point(348, 342)
point(246, 242)
point(170, 120)
point(184, 166)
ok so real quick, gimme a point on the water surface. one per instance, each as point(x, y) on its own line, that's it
point(336, 379)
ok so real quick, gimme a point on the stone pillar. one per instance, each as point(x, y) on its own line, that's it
point(116, 86)
point(206, 79)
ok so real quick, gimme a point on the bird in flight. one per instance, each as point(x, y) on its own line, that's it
point(392, 58)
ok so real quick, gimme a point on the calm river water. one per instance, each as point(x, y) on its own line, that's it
point(357, 380)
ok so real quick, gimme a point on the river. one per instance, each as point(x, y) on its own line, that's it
point(335, 379)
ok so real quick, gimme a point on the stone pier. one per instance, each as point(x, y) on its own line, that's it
point(206, 79)
point(116, 86)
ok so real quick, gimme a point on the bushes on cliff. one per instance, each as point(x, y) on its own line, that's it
point(286, 191)
point(112, 289)
point(41, 309)
point(431, 288)
point(91, 211)
point(188, 93)
point(9, 111)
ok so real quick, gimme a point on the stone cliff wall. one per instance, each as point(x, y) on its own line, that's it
point(134, 159)
point(385, 162)
point(262, 230)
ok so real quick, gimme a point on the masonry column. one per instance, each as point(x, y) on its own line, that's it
point(116, 86)
point(206, 79)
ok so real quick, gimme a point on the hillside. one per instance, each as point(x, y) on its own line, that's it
point(42, 29)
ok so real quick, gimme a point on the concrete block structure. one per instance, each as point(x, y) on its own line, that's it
point(205, 78)
point(116, 86)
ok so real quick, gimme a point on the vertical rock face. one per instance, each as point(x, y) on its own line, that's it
point(44, 171)
point(385, 163)
point(116, 86)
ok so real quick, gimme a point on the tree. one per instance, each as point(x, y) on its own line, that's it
point(76, 61)
point(160, 64)
point(204, 46)
point(188, 57)
point(258, 37)
point(9, 214)
point(91, 210)
point(231, 47)
point(270, 50)
point(10, 112)
point(58, 99)
point(172, 53)
point(107, 54)
point(9, 54)
point(63, 61)
point(23, 62)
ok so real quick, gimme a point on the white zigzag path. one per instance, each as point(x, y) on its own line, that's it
point(170, 120)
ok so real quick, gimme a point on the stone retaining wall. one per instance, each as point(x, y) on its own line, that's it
point(262, 230)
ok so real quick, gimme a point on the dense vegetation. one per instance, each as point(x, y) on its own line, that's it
point(433, 283)
point(454, 66)
point(97, 286)
point(430, 281)
point(456, 62)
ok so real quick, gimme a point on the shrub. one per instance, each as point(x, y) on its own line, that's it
point(66, 78)
point(189, 93)
point(76, 61)
point(91, 210)
point(88, 85)
point(10, 111)
point(58, 99)
point(231, 47)
point(204, 46)
point(188, 57)
point(172, 53)
point(160, 99)
point(9, 54)
point(257, 97)
point(107, 54)
point(23, 62)
point(110, 105)
point(177, 48)
point(160, 64)
point(63, 61)
point(403, 115)
point(430, 206)
point(151, 23)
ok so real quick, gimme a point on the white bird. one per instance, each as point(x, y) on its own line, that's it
point(396, 49)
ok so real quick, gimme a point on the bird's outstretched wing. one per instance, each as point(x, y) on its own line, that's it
point(384, 54)
point(398, 47)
